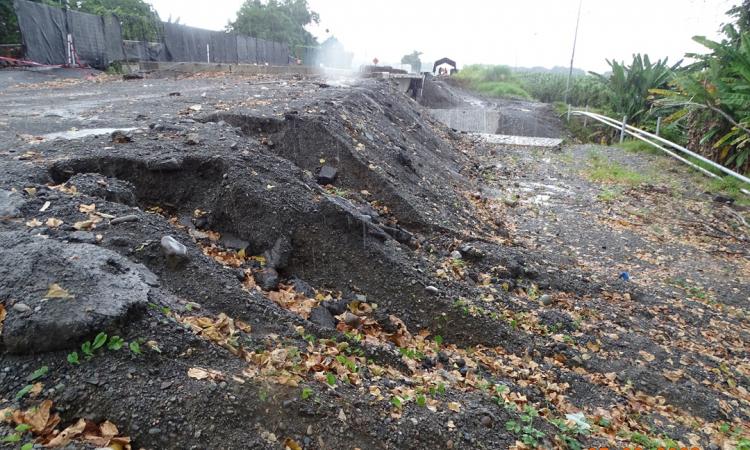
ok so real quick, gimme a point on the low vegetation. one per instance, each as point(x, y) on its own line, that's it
point(494, 81)
point(613, 172)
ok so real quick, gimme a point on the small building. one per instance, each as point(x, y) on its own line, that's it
point(444, 65)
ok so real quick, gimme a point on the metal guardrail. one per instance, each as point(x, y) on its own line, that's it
point(650, 139)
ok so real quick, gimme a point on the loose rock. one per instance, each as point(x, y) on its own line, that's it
point(21, 307)
point(123, 219)
point(322, 317)
point(10, 202)
point(172, 247)
point(267, 279)
point(327, 175)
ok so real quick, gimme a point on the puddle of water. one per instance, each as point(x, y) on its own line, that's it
point(78, 134)
point(525, 141)
point(540, 194)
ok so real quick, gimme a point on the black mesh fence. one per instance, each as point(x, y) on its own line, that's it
point(144, 51)
point(43, 32)
point(98, 40)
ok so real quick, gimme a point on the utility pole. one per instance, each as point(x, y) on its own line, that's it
point(573, 55)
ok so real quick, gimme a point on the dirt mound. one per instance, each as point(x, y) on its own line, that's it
point(63, 293)
point(440, 95)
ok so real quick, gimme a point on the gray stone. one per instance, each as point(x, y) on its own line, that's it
point(278, 256)
point(302, 287)
point(327, 175)
point(546, 299)
point(120, 137)
point(336, 307)
point(10, 204)
point(322, 317)
point(21, 307)
point(267, 279)
point(432, 289)
point(455, 254)
point(166, 164)
point(193, 139)
point(471, 252)
point(123, 219)
point(86, 237)
point(231, 241)
point(105, 289)
point(172, 247)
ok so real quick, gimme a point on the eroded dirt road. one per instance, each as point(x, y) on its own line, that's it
point(437, 292)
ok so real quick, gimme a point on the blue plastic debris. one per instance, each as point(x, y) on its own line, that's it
point(624, 276)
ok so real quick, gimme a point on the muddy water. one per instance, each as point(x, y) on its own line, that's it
point(78, 134)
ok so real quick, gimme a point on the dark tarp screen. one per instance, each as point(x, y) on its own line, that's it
point(247, 51)
point(263, 51)
point(97, 40)
point(43, 31)
point(223, 47)
point(88, 38)
point(113, 38)
point(186, 43)
point(144, 51)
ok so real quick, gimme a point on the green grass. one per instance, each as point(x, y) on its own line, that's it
point(494, 81)
point(730, 187)
point(609, 195)
point(612, 172)
point(638, 146)
point(726, 185)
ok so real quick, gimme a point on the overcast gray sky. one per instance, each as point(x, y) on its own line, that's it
point(513, 32)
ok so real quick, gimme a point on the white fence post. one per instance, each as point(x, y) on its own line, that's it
point(586, 118)
point(658, 125)
point(569, 108)
point(208, 53)
point(622, 129)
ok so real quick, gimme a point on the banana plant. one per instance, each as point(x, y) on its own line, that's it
point(629, 85)
point(717, 87)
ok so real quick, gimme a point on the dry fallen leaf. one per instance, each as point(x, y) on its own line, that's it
point(36, 390)
point(38, 418)
point(673, 375)
point(291, 444)
point(2, 317)
point(201, 374)
point(33, 223)
point(53, 222)
point(87, 209)
point(83, 225)
point(68, 434)
point(454, 406)
point(56, 291)
point(647, 356)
